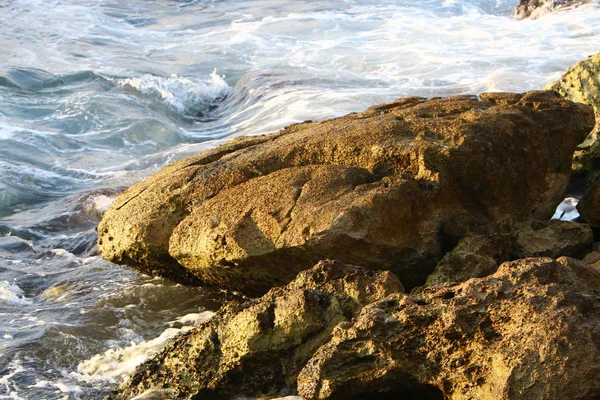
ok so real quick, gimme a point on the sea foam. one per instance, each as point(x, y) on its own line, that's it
point(117, 363)
point(189, 96)
point(12, 294)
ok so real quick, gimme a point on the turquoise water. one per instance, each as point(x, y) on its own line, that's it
point(95, 96)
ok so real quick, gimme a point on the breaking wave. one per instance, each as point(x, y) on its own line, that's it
point(188, 96)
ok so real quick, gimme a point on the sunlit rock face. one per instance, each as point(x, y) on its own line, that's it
point(395, 187)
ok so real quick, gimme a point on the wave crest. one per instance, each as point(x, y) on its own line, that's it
point(187, 96)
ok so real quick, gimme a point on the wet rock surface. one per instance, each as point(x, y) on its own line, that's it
point(536, 8)
point(396, 187)
point(531, 330)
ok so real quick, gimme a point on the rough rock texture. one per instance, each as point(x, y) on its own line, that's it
point(554, 239)
point(593, 260)
point(476, 256)
point(529, 331)
point(581, 83)
point(536, 8)
point(395, 187)
point(259, 347)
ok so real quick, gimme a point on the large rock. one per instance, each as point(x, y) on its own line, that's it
point(395, 187)
point(581, 83)
point(529, 331)
point(259, 347)
point(536, 8)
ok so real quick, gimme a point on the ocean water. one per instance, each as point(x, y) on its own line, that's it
point(95, 96)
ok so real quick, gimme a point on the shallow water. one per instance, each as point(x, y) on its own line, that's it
point(95, 96)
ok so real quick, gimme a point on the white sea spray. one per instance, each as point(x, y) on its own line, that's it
point(185, 95)
point(12, 294)
point(117, 363)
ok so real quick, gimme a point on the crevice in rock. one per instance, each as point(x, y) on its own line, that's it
point(596, 232)
point(448, 242)
point(422, 392)
point(132, 198)
point(288, 215)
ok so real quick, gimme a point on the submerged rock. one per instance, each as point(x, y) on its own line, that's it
point(536, 8)
point(395, 187)
point(529, 331)
point(259, 347)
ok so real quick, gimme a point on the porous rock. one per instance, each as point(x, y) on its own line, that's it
point(474, 256)
point(394, 187)
point(529, 331)
point(581, 83)
point(554, 239)
point(259, 347)
point(593, 260)
point(536, 8)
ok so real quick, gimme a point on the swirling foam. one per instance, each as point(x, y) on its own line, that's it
point(116, 364)
point(187, 96)
point(12, 294)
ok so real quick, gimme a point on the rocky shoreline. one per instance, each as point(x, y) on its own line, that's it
point(466, 289)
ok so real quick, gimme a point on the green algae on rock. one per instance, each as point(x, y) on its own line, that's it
point(528, 331)
point(395, 187)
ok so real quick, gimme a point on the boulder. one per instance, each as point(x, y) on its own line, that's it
point(395, 187)
point(475, 256)
point(258, 348)
point(593, 260)
point(529, 331)
point(581, 83)
point(536, 8)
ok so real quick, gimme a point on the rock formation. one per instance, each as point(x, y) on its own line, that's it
point(589, 206)
point(396, 187)
point(529, 331)
point(581, 83)
point(476, 256)
point(259, 347)
point(536, 8)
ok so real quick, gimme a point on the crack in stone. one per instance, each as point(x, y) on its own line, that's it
point(288, 215)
